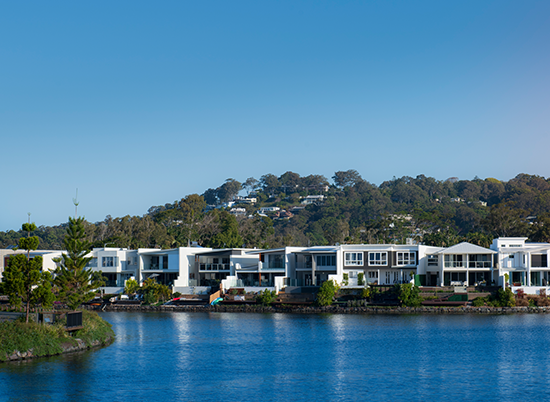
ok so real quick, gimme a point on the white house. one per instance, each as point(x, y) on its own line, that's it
point(525, 264)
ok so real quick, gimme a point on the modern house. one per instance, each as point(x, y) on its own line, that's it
point(510, 261)
point(523, 265)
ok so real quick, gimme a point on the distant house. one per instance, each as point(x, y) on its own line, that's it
point(283, 215)
point(263, 210)
point(312, 199)
point(246, 200)
point(237, 211)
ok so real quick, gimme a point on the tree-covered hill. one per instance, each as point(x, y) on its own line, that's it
point(351, 210)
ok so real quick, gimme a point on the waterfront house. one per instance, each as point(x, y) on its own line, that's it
point(525, 264)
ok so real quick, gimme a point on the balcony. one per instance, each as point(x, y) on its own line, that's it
point(213, 267)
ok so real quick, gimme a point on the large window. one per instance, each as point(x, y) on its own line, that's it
point(353, 259)
point(433, 261)
point(276, 261)
point(108, 261)
point(454, 261)
point(327, 261)
point(406, 258)
point(480, 260)
point(378, 258)
point(539, 260)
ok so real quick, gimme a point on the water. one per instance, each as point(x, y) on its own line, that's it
point(287, 357)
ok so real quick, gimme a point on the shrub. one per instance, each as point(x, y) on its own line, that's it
point(408, 295)
point(326, 293)
point(479, 302)
point(346, 280)
point(266, 297)
point(360, 279)
point(504, 298)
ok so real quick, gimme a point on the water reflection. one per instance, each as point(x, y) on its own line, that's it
point(215, 356)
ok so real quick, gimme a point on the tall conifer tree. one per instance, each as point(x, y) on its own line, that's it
point(76, 283)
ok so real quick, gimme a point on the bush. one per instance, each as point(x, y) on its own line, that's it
point(360, 278)
point(504, 298)
point(479, 302)
point(326, 293)
point(346, 280)
point(266, 297)
point(408, 295)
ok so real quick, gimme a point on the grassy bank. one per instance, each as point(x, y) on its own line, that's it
point(36, 340)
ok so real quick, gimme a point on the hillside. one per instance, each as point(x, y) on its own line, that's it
point(299, 211)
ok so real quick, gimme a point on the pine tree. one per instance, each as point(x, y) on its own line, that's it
point(24, 280)
point(76, 283)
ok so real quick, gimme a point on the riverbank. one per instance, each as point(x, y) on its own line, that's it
point(334, 309)
point(20, 341)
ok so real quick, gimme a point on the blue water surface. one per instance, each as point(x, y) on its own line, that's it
point(291, 357)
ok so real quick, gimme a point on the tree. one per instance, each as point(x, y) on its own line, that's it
point(250, 184)
point(229, 236)
point(505, 220)
point(540, 230)
point(347, 178)
point(269, 183)
point(76, 283)
point(326, 293)
point(408, 295)
point(131, 287)
point(24, 280)
point(229, 190)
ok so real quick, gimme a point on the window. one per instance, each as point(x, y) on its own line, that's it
point(480, 260)
point(453, 261)
point(276, 261)
point(326, 261)
point(407, 258)
point(433, 261)
point(108, 261)
point(353, 259)
point(539, 260)
point(372, 274)
point(378, 258)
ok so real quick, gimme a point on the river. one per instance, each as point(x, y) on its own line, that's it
point(293, 357)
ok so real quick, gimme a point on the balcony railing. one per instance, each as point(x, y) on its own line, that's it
point(479, 264)
point(213, 267)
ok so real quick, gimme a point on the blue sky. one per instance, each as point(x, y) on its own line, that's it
point(141, 103)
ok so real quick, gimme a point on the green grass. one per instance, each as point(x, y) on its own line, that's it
point(47, 340)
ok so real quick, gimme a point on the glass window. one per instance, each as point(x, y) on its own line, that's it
point(378, 258)
point(353, 259)
point(406, 258)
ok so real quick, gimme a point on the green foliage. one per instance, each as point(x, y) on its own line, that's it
point(354, 211)
point(23, 279)
point(76, 284)
point(479, 302)
point(326, 293)
point(266, 297)
point(360, 279)
point(46, 340)
point(154, 292)
point(408, 295)
point(131, 287)
point(504, 298)
point(345, 279)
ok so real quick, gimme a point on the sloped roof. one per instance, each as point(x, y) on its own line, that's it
point(466, 248)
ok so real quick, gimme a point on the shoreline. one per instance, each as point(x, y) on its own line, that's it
point(80, 346)
point(334, 309)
